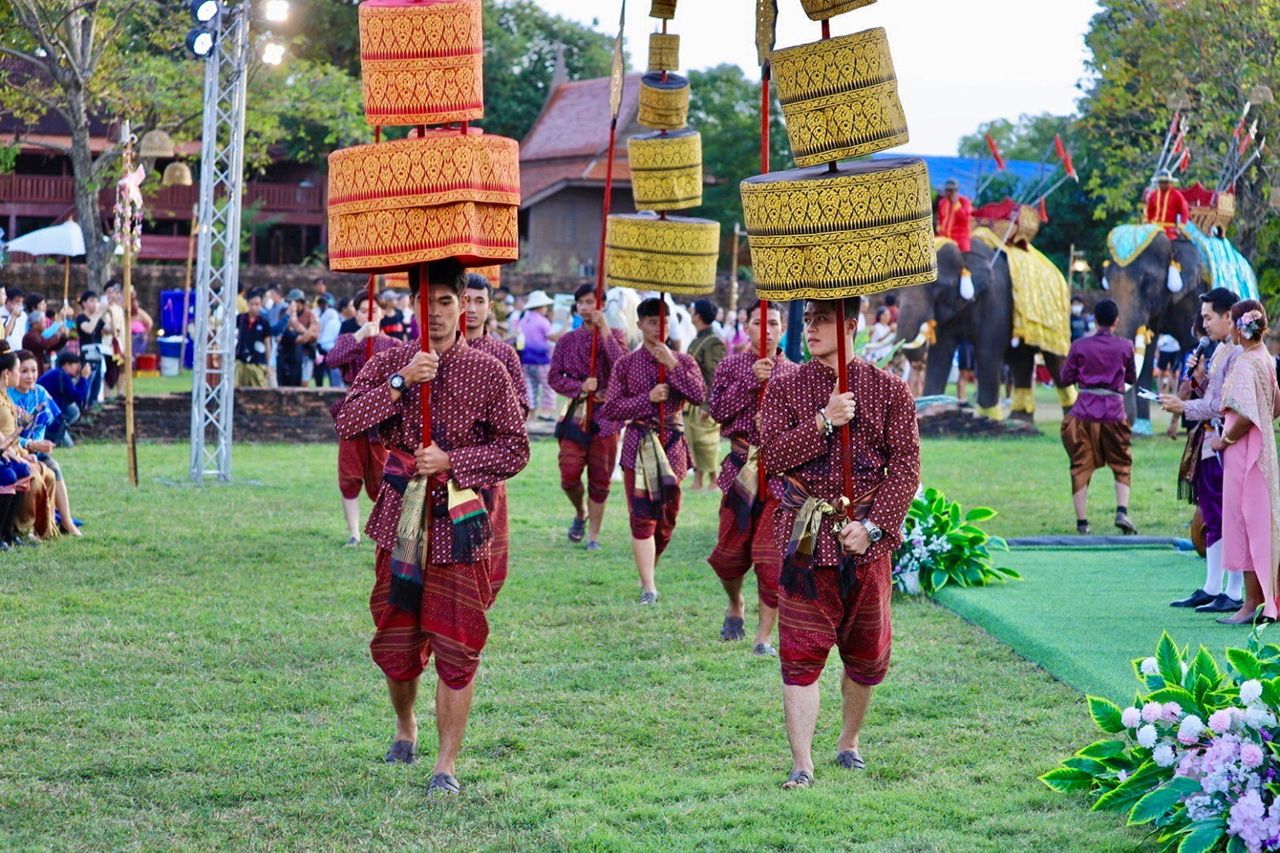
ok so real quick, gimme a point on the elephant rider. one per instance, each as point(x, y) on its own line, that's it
point(1168, 208)
point(953, 222)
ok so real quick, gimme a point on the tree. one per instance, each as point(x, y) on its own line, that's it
point(725, 108)
point(1214, 53)
point(104, 61)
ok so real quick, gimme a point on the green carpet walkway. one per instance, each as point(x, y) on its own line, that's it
point(1084, 615)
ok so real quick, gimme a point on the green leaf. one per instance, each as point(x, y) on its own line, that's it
point(1245, 663)
point(1103, 749)
point(1086, 765)
point(1204, 836)
point(1206, 666)
point(980, 513)
point(938, 579)
point(1177, 694)
point(1169, 660)
point(1106, 714)
point(1162, 799)
point(1235, 845)
point(1123, 796)
point(1066, 780)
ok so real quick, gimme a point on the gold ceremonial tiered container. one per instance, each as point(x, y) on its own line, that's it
point(654, 251)
point(444, 192)
point(829, 230)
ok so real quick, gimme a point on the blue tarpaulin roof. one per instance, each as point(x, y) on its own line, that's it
point(969, 170)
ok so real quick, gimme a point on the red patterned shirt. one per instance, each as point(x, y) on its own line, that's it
point(475, 418)
point(348, 354)
point(634, 376)
point(571, 364)
point(508, 358)
point(885, 444)
point(734, 401)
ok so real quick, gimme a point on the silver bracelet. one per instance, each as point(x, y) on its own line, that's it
point(827, 426)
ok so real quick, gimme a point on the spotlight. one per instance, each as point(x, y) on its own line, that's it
point(273, 53)
point(204, 11)
point(200, 42)
point(276, 11)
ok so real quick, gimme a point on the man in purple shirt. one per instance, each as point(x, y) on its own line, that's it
point(1201, 474)
point(1096, 432)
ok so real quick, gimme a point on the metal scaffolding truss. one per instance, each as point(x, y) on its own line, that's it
point(218, 254)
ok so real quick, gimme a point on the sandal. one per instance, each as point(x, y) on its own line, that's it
point(798, 779)
point(402, 752)
point(851, 759)
point(733, 629)
point(442, 784)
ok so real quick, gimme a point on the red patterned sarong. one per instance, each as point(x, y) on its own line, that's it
point(737, 551)
point(500, 544)
point(597, 460)
point(858, 625)
point(451, 624)
point(660, 529)
point(360, 464)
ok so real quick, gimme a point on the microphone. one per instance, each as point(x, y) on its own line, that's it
point(1197, 354)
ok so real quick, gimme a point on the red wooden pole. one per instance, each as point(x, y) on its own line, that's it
point(368, 343)
point(424, 345)
point(662, 370)
point(846, 438)
point(604, 230)
point(765, 105)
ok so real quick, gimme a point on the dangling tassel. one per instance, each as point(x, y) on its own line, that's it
point(1175, 277)
point(471, 527)
point(848, 575)
point(966, 286)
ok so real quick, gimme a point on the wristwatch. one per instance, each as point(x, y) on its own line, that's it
point(875, 534)
point(397, 382)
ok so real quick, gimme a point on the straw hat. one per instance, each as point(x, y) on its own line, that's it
point(538, 299)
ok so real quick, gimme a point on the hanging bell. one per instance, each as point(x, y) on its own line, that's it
point(156, 145)
point(176, 174)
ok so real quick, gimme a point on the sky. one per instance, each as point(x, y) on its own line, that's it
point(956, 68)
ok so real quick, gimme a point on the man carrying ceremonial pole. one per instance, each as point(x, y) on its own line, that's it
point(432, 586)
point(655, 457)
point(587, 441)
point(839, 536)
point(746, 515)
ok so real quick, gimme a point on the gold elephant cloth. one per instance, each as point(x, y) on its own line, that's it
point(839, 97)
point(1041, 298)
point(821, 10)
point(665, 9)
point(666, 170)
point(673, 255)
point(396, 204)
point(421, 61)
point(664, 104)
point(664, 52)
point(863, 228)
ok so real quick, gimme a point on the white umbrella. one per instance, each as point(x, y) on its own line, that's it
point(64, 239)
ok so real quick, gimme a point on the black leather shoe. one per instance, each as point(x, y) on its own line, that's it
point(1197, 599)
point(1222, 604)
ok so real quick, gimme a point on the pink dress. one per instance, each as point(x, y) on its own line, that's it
point(1251, 475)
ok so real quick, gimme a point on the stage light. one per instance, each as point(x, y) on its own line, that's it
point(276, 11)
point(273, 53)
point(204, 11)
point(200, 42)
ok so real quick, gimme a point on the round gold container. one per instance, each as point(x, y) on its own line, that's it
point(674, 255)
point(821, 10)
point(665, 9)
point(664, 52)
point(396, 204)
point(839, 97)
point(664, 104)
point(666, 170)
point(820, 234)
point(421, 62)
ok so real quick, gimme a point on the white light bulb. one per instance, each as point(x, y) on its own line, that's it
point(276, 11)
point(273, 53)
point(205, 12)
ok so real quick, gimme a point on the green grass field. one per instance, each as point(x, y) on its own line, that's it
point(194, 674)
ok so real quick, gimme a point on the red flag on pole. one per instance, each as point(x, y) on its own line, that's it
point(995, 152)
point(1044, 210)
point(1185, 161)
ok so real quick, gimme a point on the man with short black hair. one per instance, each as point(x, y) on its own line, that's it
point(586, 445)
point(15, 318)
point(707, 349)
point(1096, 432)
point(68, 384)
point(1200, 476)
point(478, 440)
point(655, 457)
point(252, 335)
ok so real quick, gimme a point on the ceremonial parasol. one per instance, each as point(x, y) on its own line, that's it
point(65, 239)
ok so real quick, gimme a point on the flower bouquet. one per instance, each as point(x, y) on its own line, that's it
point(1195, 756)
point(941, 546)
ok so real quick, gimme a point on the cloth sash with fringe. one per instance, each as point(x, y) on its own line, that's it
point(742, 498)
point(574, 427)
point(1189, 466)
point(802, 545)
point(470, 531)
point(655, 480)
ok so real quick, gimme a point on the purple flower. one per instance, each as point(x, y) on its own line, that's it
point(1220, 721)
point(1131, 718)
point(1251, 756)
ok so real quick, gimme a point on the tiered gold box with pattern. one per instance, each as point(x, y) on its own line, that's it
point(444, 192)
point(654, 251)
point(829, 230)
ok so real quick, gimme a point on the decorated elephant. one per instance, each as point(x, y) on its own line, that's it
point(988, 320)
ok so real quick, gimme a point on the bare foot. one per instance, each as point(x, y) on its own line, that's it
point(71, 531)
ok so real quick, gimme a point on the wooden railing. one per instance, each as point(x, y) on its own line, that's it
point(57, 189)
